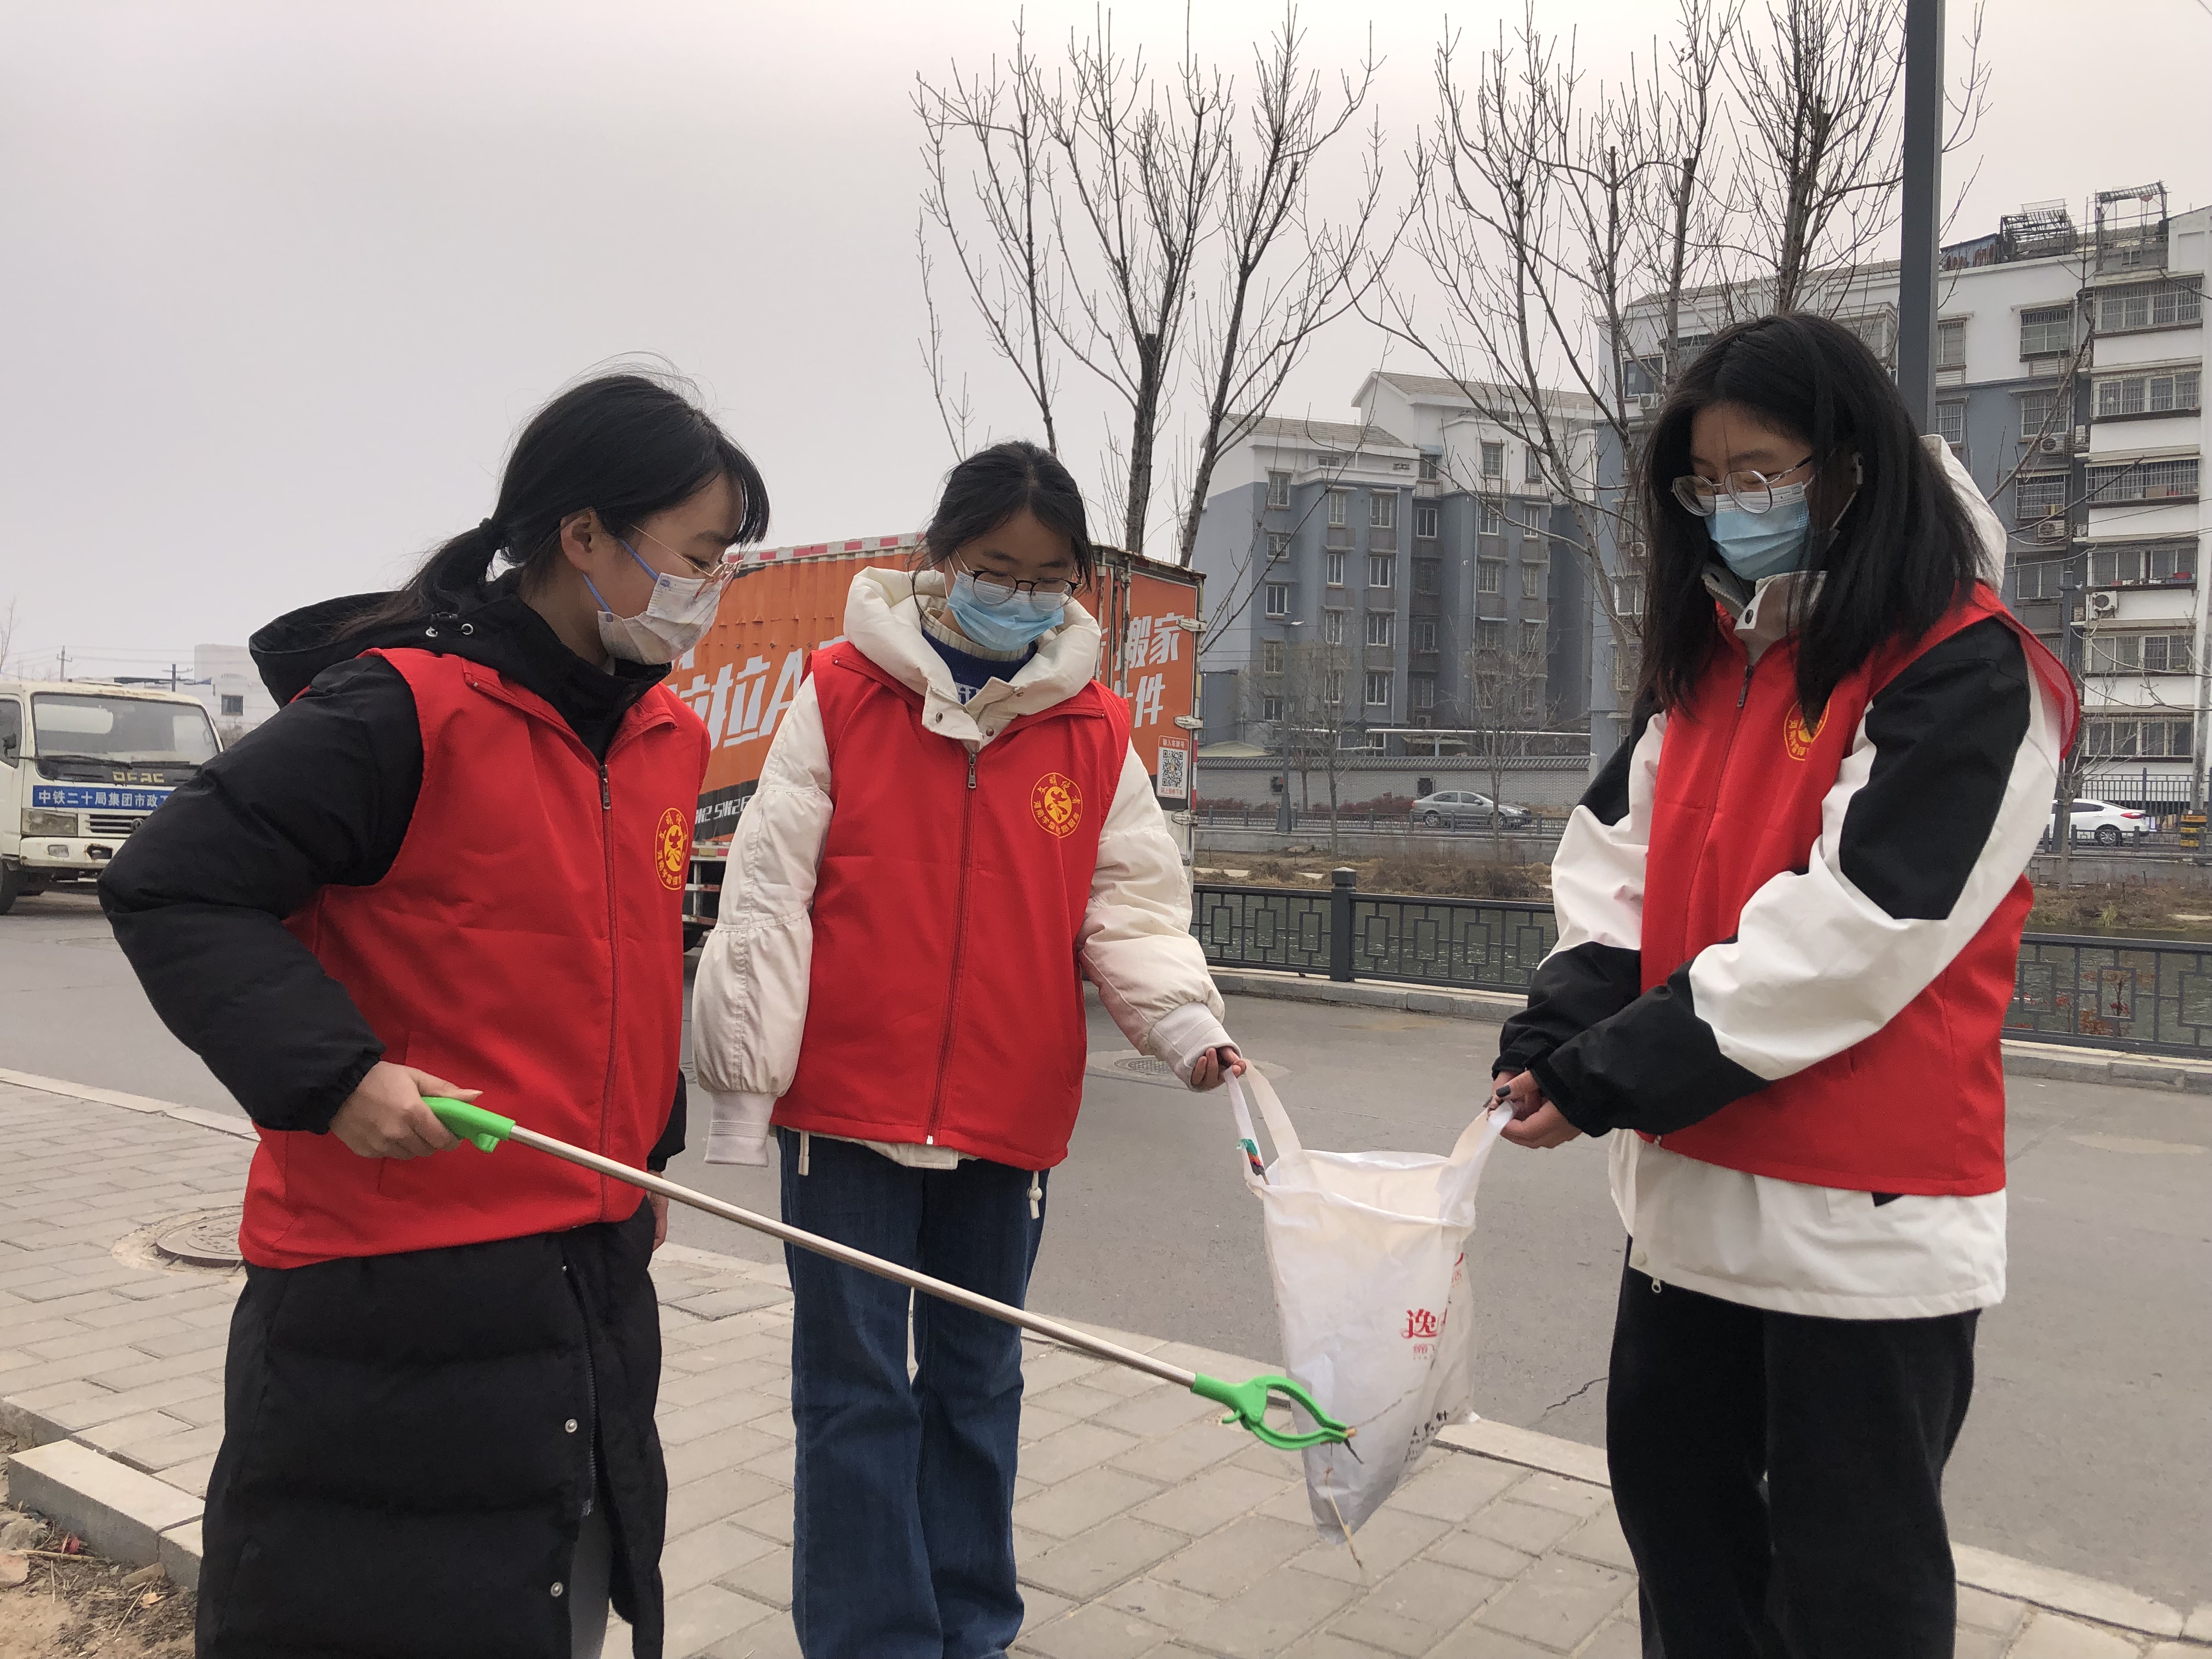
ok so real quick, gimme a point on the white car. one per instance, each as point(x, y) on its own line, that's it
point(1458, 809)
point(2108, 825)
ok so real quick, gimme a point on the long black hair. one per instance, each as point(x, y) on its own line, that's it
point(629, 445)
point(1898, 559)
point(992, 485)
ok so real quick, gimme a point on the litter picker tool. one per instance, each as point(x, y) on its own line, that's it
point(1247, 1402)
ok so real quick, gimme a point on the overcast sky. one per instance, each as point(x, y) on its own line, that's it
point(284, 278)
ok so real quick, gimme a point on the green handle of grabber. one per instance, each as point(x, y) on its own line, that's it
point(1247, 1404)
point(484, 1129)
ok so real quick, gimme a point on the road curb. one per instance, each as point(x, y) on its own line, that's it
point(242, 1127)
point(2038, 1059)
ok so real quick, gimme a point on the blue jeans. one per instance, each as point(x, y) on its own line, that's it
point(903, 1524)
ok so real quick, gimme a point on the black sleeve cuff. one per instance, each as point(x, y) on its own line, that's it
point(670, 1143)
point(1654, 1067)
point(321, 1105)
point(1572, 991)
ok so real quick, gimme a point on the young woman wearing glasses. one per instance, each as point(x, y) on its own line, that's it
point(1788, 912)
point(950, 834)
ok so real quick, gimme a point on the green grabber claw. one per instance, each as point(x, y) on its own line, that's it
point(471, 1123)
point(1247, 1404)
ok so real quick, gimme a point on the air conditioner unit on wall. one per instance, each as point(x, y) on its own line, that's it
point(2051, 530)
point(2052, 443)
point(2104, 604)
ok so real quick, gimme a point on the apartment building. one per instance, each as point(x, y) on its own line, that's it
point(1418, 552)
point(2069, 381)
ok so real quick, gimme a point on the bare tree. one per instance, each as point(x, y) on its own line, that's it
point(1011, 269)
point(1263, 318)
point(1315, 714)
point(1504, 706)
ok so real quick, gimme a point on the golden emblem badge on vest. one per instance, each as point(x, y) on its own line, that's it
point(1795, 738)
point(671, 848)
point(1057, 805)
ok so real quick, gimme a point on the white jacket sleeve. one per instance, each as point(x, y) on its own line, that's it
point(1136, 943)
point(749, 1005)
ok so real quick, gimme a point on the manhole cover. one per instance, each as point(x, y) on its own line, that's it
point(203, 1241)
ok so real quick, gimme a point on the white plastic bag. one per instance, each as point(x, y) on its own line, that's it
point(1368, 1251)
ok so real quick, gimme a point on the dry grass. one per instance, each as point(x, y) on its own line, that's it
point(76, 1606)
point(1448, 878)
point(2124, 908)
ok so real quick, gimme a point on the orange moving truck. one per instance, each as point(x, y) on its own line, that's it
point(789, 601)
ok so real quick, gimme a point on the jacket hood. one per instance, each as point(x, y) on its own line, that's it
point(883, 618)
point(495, 629)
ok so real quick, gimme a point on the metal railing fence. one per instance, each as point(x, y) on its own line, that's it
point(2143, 995)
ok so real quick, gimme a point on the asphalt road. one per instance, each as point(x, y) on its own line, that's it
point(2090, 1442)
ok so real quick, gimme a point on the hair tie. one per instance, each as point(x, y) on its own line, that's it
point(492, 534)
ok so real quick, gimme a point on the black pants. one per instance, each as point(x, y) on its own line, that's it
point(1779, 1477)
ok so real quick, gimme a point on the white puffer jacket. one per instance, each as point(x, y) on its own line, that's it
point(749, 1006)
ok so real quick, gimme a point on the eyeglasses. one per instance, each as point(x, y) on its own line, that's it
point(1747, 492)
point(992, 589)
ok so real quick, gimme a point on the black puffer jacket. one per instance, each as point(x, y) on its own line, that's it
point(400, 1475)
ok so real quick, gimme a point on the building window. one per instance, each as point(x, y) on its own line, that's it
point(1332, 627)
point(2149, 305)
point(2166, 653)
point(1428, 576)
point(1423, 687)
point(1951, 343)
point(2039, 495)
point(2111, 739)
point(2045, 331)
point(1424, 523)
point(1532, 519)
point(1950, 423)
point(2144, 481)
point(232, 707)
point(1336, 569)
point(1493, 460)
point(1333, 688)
point(1381, 628)
point(1877, 329)
point(1532, 638)
point(1279, 489)
point(1493, 520)
point(2040, 580)
point(1424, 633)
point(1340, 506)
point(1532, 581)
point(2039, 416)
point(2171, 392)
point(1278, 598)
point(1490, 636)
point(1271, 708)
point(1429, 466)
point(1329, 457)
point(1532, 465)
point(1486, 576)
point(1378, 569)
point(1271, 656)
point(2134, 564)
point(1628, 595)
point(1383, 509)
point(1378, 689)
point(1279, 546)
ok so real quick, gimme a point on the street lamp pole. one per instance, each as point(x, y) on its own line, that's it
point(1921, 209)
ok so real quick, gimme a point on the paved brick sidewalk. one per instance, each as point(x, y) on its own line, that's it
point(1144, 1528)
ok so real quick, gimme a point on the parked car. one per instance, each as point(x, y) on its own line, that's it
point(1460, 809)
point(2107, 825)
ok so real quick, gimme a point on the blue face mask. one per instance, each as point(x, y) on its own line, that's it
point(1756, 545)
point(1011, 625)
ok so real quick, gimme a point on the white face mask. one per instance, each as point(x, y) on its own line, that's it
point(682, 609)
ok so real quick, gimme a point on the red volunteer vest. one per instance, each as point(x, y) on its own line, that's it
point(525, 942)
point(945, 1001)
point(1919, 1107)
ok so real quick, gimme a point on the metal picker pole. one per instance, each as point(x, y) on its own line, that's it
point(867, 1264)
point(1247, 1401)
point(1922, 209)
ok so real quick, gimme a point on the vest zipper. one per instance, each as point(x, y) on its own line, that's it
point(959, 950)
point(614, 964)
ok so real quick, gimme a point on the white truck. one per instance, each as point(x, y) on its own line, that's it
point(82, 764)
